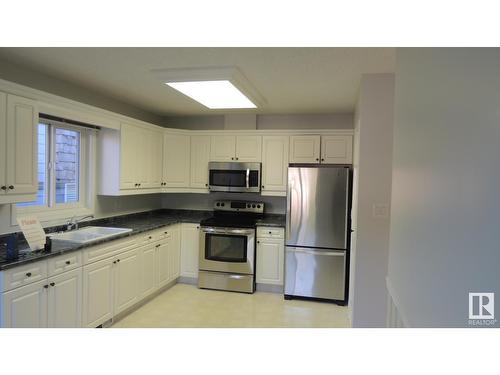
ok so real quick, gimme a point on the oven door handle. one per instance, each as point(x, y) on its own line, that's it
point(228, 231)
point(247, 180)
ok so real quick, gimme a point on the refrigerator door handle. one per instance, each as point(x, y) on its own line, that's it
point(340, 253)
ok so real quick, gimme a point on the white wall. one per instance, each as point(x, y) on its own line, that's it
point(445, 222)
point(265, 122)
point(206, 201)
point(372, 187)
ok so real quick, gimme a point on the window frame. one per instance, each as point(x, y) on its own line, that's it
point(52, 212)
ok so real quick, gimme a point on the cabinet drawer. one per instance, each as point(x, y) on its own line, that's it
point(65, 262)
point(157, 234)
point(99, 252)
point(270, 232)
point(23, 275)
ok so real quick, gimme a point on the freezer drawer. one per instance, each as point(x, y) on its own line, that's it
point(317, 273)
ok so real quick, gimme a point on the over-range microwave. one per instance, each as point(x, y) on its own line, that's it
point(234, 177)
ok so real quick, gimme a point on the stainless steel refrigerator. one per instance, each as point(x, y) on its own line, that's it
point(317, 222)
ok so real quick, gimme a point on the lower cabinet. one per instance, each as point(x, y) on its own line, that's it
point(270, 256)
point(126, 280)
point(55, 302)
point(98, 292)
point(25, 307)
point(149, 276)
point(65, 300)
point(190, 249)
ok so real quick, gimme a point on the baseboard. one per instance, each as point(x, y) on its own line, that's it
point(269, 288)
point(188, 280)
point(395, 316)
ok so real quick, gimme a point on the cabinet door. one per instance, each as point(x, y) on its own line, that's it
point(3, 141)
point(25, 307)
point(131, 148)
point(200, 156)
point(97, 293)
point(336, 149)
point(149, 281)
point(163, 267)
point(153, 163)
point(65, 300)
point(22, 145)
point(270, 261)
point(126, 280)
point(176, 163)
point(222, 148)
point(305, 148)
point(249, 148)
point(175, 253)
point(190, 248)
point(274, 163)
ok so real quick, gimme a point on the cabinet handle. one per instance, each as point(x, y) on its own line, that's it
point(114, 262)
point(52, 284)
point(11, 187)
point(262, 186)
point(4, 187)
point(118, 261)
point(206, 185)
point(258, 241)
point(237, 159)
point(322, 159)
point(28, 274)
point(157, 245)
point(68, 262)
point(317, 159)
point(270, 232)
point(46, 286)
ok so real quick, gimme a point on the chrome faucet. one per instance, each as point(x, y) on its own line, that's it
point(73, 222)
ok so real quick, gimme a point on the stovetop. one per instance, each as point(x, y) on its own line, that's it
point(235, 214)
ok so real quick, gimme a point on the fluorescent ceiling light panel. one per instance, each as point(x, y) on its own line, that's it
point(220, 94)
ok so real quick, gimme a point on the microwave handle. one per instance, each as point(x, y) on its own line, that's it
point(248, 178)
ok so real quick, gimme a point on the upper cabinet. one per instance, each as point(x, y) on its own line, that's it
point(130, 160)
point(18, 144)
point(274, 164)
point(242, 148)
point(200, 156)
point(325, 149)
point(176, 157)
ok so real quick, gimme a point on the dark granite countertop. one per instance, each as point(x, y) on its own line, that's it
point(272, 220)
point(140, 222)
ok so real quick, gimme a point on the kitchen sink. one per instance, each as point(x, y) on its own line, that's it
point(88, 234)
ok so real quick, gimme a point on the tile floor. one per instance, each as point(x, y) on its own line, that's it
point(185, 305)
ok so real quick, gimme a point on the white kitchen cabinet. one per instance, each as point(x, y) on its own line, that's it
point(25, 307)
point(176, 164)
point(325, 149)
point(270, 257)
point(200, 156)
point(305, 148)
point(133, 157)
point(126, 275)
point(164, 258)
point(249, 148)
point(274, 163)
point(19, 147)
point(175, 252)
point(153, 163)
point(336, 149)
point(148, 260)
point(65, 300)
point(242, 148)
point(222, 147)
point(98, 293)
point(190, 249)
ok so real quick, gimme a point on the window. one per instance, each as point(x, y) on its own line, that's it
point(61, 168)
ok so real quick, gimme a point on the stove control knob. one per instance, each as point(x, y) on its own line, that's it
point(222, 204)
point(249, 205)
point(218, 204)
point(253, 205)
point(258, 206)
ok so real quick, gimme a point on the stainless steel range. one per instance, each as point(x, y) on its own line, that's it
point(227, 246)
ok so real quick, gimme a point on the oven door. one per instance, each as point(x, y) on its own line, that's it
point(234, 177)
point(227, 250)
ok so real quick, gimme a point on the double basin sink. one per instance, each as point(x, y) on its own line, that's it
point(88, 234)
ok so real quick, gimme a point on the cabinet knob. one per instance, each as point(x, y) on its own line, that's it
point(206, 185)
point(45, 286)
point(232, 158)
point(4, 187)
point(262, 186)
point(237, 159)
point(11, 187)
point(114, 262)
point(52, 284)
point(317, 159)
point(258, 241)
point(270, 232)
point(150, 237)
point(322, 159)
point(68, 262)
point(28, 274)
point(157, 245)
point(118, 261)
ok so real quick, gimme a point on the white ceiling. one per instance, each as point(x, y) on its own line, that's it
point(292, 80)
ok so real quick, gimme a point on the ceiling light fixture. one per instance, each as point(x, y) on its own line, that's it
point(214, 94)
point(214, 87)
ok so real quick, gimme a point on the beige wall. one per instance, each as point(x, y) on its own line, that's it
point(372, 189)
